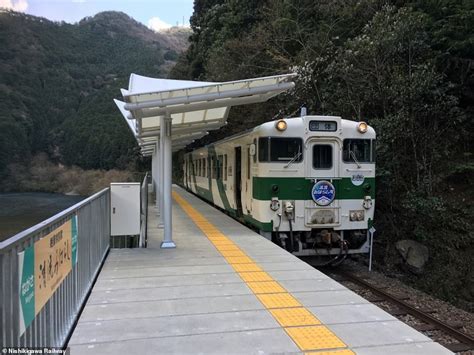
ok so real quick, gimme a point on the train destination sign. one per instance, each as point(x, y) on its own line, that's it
point(43, 267)
point(323, 193)
point(323, 126)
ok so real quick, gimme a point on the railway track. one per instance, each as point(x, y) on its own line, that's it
point(463, 342)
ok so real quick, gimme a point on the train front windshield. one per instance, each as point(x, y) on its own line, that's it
point(276, 149)
point(358, 151)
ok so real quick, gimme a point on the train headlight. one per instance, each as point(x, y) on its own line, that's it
point(356, 215)
point(281, 125)
point(362, 127)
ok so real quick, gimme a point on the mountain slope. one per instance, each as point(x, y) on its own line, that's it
point(57, 82)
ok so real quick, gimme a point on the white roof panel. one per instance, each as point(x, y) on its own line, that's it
point(195, 107)
point(132, 123)
point(143, 84)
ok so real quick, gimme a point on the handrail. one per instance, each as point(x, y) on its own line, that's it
point(20, 237)
point(49, 323)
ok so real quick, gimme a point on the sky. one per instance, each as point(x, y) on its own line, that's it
point(156, 14)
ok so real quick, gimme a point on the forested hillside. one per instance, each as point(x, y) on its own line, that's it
point(406, 67)
point(57, 82)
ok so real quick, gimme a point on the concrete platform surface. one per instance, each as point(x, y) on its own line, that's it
point(227, 290)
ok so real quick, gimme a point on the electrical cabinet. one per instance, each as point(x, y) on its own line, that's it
point(124, 208)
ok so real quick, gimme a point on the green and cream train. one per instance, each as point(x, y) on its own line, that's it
point(307, 183)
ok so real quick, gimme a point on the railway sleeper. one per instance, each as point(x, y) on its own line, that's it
point(457, 347)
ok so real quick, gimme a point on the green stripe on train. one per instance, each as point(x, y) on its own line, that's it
point(220, 183)
point(300, 188)
point(263, 226)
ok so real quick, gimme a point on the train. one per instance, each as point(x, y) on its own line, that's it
point(307, 183)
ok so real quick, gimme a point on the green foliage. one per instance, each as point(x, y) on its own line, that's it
point(405, 68)
point(57, 82)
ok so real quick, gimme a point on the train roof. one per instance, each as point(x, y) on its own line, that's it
point(347, 128)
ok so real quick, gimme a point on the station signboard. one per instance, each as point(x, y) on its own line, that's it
point(43, 267)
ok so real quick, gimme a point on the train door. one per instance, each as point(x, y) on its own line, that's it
point(238, 180)
point(322, 163)
point(322, 159)
point(249, 172)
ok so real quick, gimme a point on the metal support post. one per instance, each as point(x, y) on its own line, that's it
point(154, 170)
point(159, 203)
point(157, 178)
point(165, 135)
point(371, 232)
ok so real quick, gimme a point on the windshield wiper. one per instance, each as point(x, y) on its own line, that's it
point(294, 158)
point(351, 153)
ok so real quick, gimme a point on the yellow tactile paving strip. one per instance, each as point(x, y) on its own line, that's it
point(332, 352)
point(299, 323)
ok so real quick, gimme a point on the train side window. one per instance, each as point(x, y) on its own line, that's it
point(214, 163)
point(263, 151)
point(322, 156)
point(225, 167)
point(220, 161)
point(248, 163)
point(204, 171)
point(213, 168)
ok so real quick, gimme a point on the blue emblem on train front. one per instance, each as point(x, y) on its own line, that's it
point(323, 193)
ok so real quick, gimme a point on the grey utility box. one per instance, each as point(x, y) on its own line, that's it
point(124, 208)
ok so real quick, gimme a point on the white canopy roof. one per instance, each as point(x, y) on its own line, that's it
point(195, 107)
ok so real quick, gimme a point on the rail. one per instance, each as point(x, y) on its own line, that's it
point(465, 341)
point(41, 309)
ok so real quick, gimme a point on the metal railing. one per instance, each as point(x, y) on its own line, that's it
point(144, 212)
point(54, 322)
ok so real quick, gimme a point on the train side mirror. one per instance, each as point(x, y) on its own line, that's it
point(253, 149)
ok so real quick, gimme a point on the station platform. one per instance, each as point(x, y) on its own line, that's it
point(227, 290)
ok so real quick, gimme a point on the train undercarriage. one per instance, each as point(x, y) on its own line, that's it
point(328, 247)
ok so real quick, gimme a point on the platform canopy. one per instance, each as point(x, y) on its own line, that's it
point(166, 115)
point(194, 107)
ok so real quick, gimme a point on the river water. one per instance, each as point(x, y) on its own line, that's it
point(19, 211)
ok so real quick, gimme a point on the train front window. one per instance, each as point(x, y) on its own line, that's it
point(263, 149)
point(373, 150)
point(357, 151)
point(322, 156)
point(275, 149)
